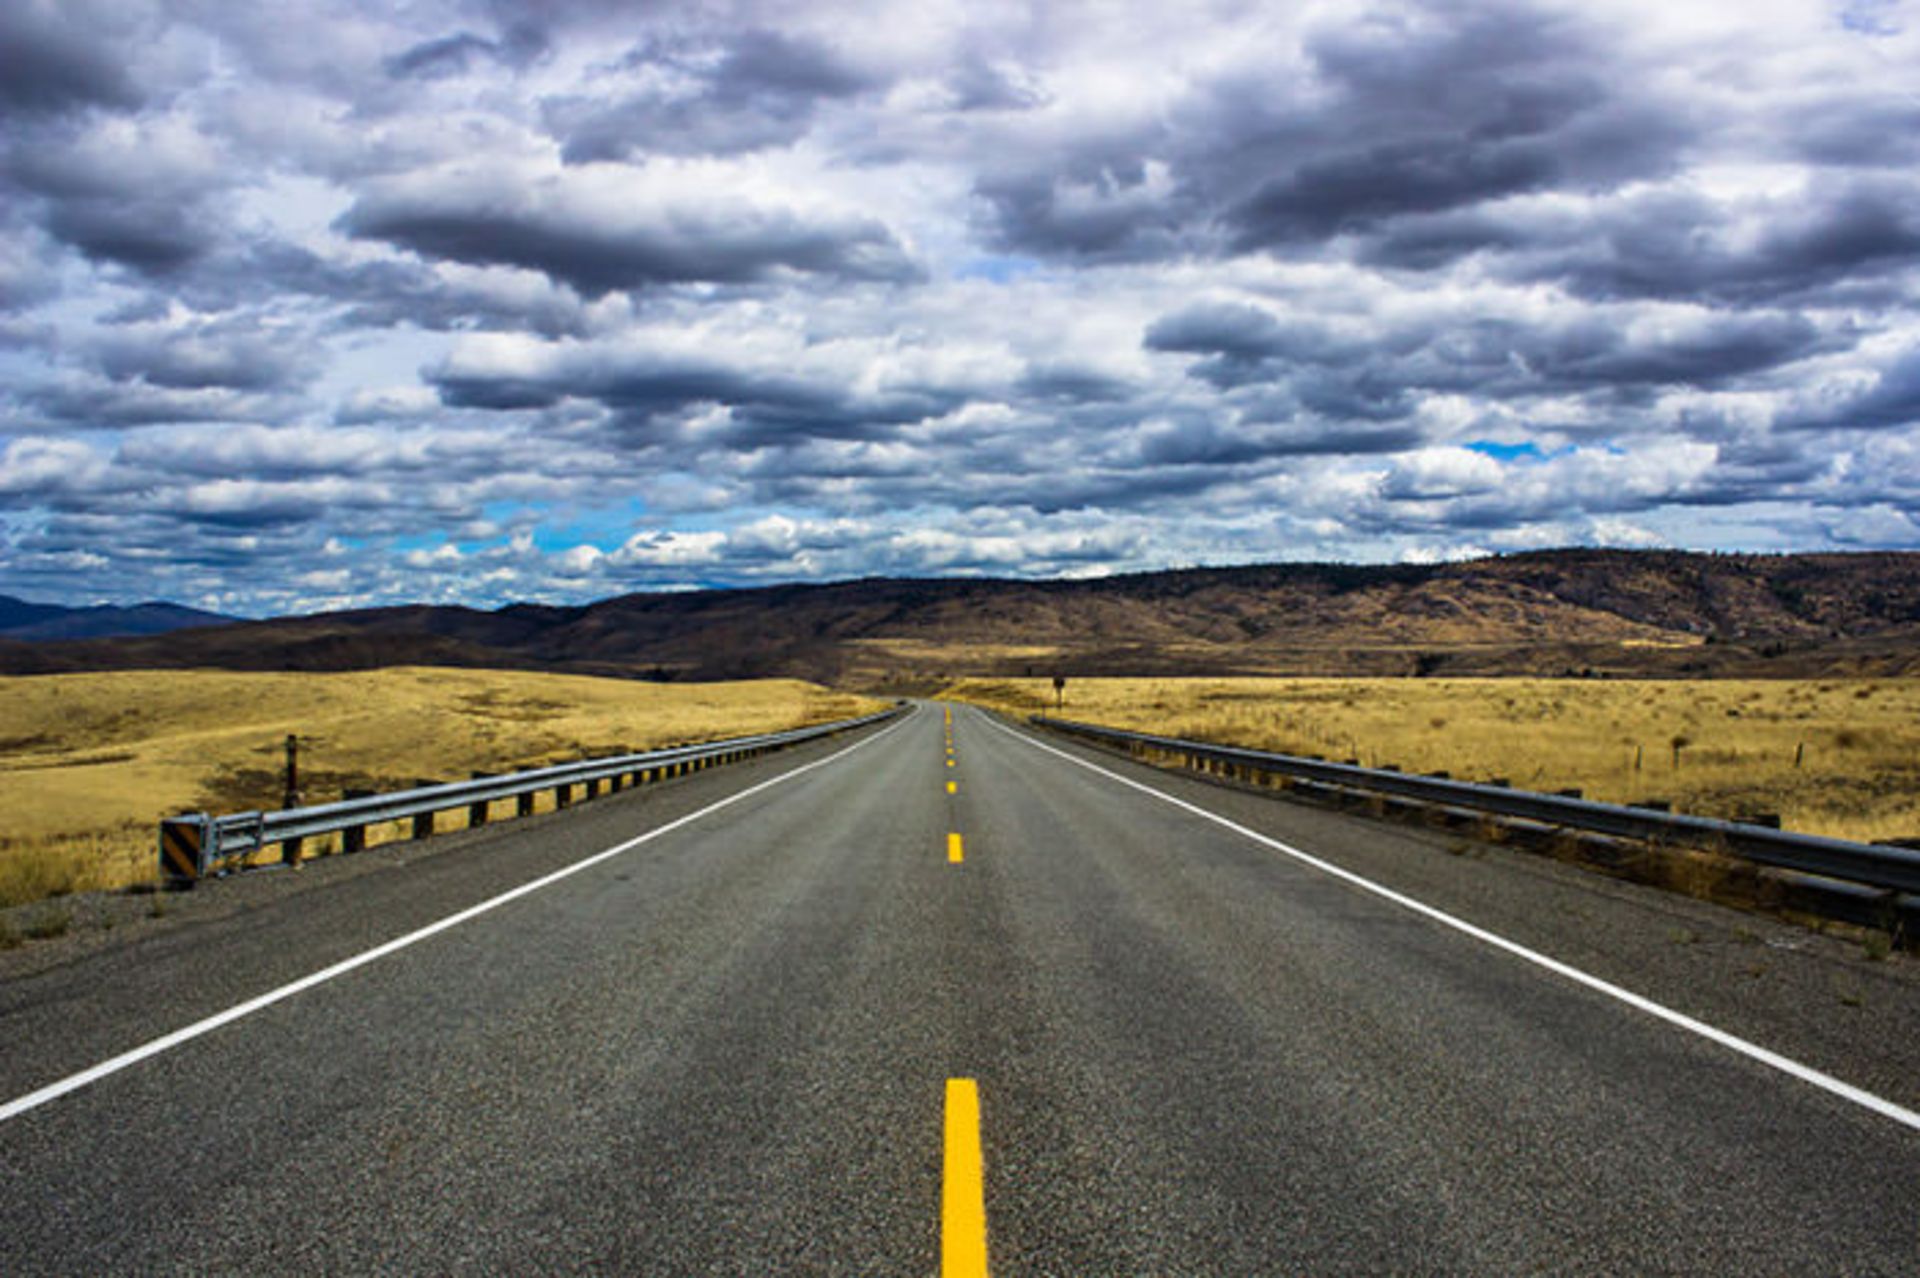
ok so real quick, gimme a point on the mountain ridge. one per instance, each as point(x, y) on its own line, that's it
point(1604, 611)
point(26, 622)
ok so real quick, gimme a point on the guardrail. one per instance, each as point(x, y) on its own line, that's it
point(1880, 867)
point(196, 844)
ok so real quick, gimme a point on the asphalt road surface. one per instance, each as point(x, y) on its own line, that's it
point(854, 1009)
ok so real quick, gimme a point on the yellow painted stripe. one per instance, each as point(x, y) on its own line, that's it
point(953, 787)
point(953, 849)
point(963, 1201)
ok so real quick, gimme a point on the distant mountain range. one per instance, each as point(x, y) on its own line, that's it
point(34, 623)
point(1553, 612)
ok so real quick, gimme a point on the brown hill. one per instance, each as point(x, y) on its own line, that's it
point(1618, 612)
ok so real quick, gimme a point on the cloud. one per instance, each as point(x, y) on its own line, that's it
point(1837, 242)
point(1890, 399)
point(240, 354)
point(748, 90)
point(55, 57)
point(600, 228)
point(1427, 112)
point(459, 53)
point(129, 192)
point(476, 300)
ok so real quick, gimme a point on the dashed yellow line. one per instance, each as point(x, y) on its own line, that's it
point(953, 787)
point(963, 1201)
point(953, 849)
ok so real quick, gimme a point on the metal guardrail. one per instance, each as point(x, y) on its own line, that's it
point(196, 844)
point(1879, 866)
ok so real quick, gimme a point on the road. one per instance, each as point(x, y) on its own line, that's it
point(747, 1044)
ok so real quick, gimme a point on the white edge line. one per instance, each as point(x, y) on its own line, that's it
point(1753, 1051)
point(187, 1033)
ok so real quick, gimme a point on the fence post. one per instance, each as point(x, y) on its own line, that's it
point(290, 799)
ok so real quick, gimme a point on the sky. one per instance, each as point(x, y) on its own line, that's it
point(321, 305)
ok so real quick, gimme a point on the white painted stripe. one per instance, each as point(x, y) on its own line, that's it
point(186, 1034)
point(1753, 1051)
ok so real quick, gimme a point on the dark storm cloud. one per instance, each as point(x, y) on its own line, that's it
point(981, 84)
point(644, 385)
point(1415, 115)
point(1839, 238)
point(597, 245)
point(1096, 212)
point(1240, 335)
point(53, 60)
point(81, 401)
point(234, 354)
point(126, 193)
point(1341, 375)
point(1214, 443)
point(1419, 119)
point(756, 89)
point(392, 292)
point(1068, 384)
point(1422, 242)
point(153, 239)
point(648, 394)
point(1891, 400)
point(459, 53)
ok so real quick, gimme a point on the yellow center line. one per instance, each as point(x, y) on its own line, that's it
point(949, 763)
point(963, 1202)
point(953, 787)
point(953, 849)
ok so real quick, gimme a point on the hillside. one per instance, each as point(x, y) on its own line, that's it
point(1617, 612)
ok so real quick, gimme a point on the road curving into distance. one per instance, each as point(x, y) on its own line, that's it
point(942, 997)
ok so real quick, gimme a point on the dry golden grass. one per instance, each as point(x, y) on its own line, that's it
point(90, 762)
point(1837, 757)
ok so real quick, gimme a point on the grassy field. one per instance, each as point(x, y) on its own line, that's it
point(89, 763)
point(1837, 757)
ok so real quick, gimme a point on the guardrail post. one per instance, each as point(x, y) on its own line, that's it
point(523, 803)
point(423, 823)
point(563, 794)
point(185, 848)
point(477, 812)
point(354, 837)
point(593, 787)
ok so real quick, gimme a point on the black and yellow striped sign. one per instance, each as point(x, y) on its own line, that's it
point(180, 843)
